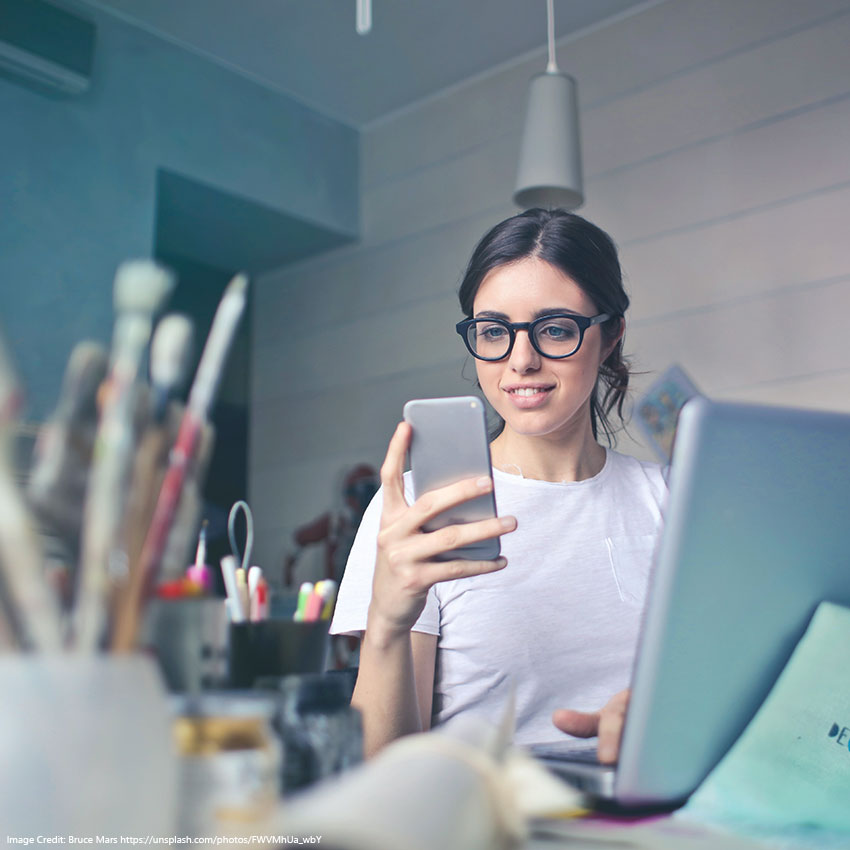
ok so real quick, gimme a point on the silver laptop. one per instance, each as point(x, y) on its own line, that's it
point(757, 533)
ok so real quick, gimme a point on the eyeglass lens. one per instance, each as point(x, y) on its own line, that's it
point(558, 336)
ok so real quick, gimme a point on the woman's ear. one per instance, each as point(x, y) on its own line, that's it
point(611, 344)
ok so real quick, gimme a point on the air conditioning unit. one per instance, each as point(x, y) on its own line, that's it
point(46, 47)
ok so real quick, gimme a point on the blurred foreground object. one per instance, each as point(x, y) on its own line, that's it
point(63, 452)
point(321, 732)
point(459, 787)
point(144, 572)
point(229, 762)
point(29, 614)
point(104, 764)
point(116, 478)
point(141, 288)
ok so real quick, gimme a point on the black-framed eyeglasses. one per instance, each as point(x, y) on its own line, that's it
point(555, 336)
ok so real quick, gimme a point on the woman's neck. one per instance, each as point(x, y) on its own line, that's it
point(574, 456)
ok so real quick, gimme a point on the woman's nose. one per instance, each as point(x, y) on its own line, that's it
point(523, 357)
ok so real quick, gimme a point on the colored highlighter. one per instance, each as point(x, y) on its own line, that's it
point(313, 608)
point(304, 593)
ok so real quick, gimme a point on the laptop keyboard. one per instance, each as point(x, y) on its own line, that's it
point(584, 756)
point(560, 753)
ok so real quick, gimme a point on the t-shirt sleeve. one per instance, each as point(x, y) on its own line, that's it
point(355, 591)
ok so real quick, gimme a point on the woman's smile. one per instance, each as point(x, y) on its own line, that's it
point(528, 396)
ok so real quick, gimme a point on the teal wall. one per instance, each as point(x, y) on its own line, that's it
point(78, 182)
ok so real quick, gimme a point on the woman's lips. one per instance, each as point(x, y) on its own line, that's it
point(528, 397)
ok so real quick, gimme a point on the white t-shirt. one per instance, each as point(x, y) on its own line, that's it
point(560, 622)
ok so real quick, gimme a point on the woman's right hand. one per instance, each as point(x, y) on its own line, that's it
point(405, 568)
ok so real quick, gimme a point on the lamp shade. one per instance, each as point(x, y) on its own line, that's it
point(549, 173)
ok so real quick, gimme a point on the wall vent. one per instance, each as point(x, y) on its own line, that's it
point(46, 46)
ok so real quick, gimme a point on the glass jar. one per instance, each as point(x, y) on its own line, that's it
point(230, 760)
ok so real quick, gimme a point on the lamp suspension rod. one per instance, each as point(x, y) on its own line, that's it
point(364, 16)
point(552, 67)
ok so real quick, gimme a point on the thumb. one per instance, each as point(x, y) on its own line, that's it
point(579, 723)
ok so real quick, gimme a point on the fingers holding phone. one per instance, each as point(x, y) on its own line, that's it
point(392, 470)
point(462, 540)
point(452, 530)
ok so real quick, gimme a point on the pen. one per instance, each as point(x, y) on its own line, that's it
point(242, 591)
point(304, 593)
point(199, 571)
point(260, 607)
point(314, 605)
point(201, 551)
point(234, 602)
point(254, 576)
point(329, 591)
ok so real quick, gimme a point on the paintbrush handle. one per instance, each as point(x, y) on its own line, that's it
point(32, 611)
point(222, 332)
point(34, 606)
point(143, 576)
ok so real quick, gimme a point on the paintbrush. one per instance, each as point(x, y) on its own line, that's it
point(171, 351)
point(32, 617)
point(197, 410)
point(63, 451)
point(169, 363)
point(141, 288)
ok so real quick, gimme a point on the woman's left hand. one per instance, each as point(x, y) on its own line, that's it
point(607, 723)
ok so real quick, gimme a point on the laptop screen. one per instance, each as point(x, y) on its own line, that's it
point(756, 535)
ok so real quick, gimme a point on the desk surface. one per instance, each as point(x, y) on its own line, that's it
point(651, 833)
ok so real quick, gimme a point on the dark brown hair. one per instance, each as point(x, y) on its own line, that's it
point(587, 255)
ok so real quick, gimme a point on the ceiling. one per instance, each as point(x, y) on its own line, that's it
point(309, 49)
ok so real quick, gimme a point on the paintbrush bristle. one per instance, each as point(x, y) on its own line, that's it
point(170, 351)
point(85, 372)
point(141, 286)
point(238, 284)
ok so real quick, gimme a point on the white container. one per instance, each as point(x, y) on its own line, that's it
point(230, 761)
point(86, 747)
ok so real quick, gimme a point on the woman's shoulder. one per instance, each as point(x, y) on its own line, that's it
point(638, 471)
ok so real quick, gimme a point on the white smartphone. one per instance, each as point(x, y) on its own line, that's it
point(449, 444)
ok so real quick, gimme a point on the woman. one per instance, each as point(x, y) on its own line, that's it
point(556, 617)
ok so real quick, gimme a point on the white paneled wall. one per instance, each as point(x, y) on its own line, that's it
point(717, 154)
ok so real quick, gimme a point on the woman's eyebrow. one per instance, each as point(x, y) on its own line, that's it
point(538, 314)
point(555, 311)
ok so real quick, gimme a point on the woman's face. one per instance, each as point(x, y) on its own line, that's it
point(537, 396)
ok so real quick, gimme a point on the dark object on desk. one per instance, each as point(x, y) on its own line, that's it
point(321, 733)
point(756, 536)
point(275, 648)
point(189, 638)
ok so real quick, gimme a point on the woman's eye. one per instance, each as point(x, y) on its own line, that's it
point(558, 330)
point(490, 333)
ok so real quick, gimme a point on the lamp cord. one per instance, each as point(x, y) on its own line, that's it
point(552, 67)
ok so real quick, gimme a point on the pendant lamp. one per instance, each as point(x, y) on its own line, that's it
point(549, 173)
